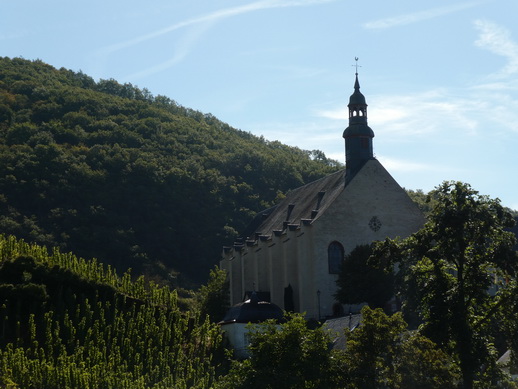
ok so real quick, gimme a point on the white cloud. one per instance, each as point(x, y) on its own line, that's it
point(425, 113)
point(399, 165)
point(339, 113)
point(415, 17)
point(498, 40)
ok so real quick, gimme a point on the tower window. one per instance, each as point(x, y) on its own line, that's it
point(335, 257)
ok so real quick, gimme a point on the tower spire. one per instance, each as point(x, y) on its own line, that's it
point(358, 135)
point(356, 65)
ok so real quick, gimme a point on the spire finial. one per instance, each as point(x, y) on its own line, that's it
point(356, 65)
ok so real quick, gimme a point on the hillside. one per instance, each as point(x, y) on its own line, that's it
point(110, 171)
point(70, 323)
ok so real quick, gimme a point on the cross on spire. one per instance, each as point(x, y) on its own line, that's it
point(356, 65)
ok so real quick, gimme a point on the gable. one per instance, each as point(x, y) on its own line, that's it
point(372, 206)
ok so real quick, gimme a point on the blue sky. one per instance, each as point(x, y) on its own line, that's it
point(440, 78)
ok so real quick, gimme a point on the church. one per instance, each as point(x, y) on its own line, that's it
point(292, 253)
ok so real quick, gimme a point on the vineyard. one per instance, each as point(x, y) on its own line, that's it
point(66, 322)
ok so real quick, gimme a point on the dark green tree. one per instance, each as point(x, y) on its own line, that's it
point(448, 269)
point(425, 201)
point(381, 353)
point(289, 355)
point(214, 298)
point(362, 280)
point(371, 349)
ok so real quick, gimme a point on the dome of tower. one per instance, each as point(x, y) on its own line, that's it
point(253, 311)
point(358, 129)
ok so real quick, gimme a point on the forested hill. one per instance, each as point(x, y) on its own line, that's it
point(110, 171)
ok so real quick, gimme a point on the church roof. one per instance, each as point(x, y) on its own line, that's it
point(301, 205)
point(336, 328)
point(357, 97)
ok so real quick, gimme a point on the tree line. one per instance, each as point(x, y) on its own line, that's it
point(109, 171)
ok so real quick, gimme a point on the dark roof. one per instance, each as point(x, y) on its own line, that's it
point(357, 98)
point(253, 311)
point(357, 128)
point(301, 205)
point(336, 328)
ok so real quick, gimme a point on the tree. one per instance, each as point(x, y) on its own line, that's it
point(425, 201)
point(382, 353)
point(289, 355)
point(361, 280)
point(421, 364)
point(446, 271)
point(214, 298)
point(370, 349)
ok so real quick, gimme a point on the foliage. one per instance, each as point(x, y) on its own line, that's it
point(286, 356)
point(112, 172)
point(361, 280)
point(214, 298)
point(371, 349)
point(421, 364)
point(380, 353)
point(424, 201)
point(70, 323)
point(448, 270)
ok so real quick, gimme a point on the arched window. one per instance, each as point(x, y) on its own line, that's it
point(335, 257)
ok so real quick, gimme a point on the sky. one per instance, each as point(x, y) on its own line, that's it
point(440, 77)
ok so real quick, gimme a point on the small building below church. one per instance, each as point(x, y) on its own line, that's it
point(292, 253)
point(240, 316)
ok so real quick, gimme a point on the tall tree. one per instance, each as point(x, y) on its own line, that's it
point(214, 298)
point(289, 355)
point(448, 269)
point(362, 281)
point(381, 353)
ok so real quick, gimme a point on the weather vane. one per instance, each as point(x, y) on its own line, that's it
point(356, 65)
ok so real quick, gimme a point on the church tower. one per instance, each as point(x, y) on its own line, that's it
point(358, 136)
point(290, 254)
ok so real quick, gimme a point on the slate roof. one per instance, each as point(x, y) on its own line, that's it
point(301, 205)
point(252, 311)
point(336, 328)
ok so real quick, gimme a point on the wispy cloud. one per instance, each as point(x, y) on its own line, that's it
point(426, 113)
point(401, 165)
point(14, 35)
point(181, 50)
point(416, 17)
point(197, 26)
point(212, 18)
point(498, 40)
